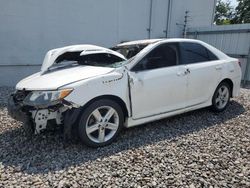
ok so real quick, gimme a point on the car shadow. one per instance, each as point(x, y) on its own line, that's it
point(48, 153)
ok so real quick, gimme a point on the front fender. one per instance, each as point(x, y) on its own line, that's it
point(115, 84)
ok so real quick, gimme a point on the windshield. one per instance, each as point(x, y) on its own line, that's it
point(98, 59)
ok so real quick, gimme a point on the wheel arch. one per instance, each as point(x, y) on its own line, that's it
point(113, 98)
point(230, 83)
point(72, 116)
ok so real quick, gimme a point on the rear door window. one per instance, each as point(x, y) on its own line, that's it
point(195, 53)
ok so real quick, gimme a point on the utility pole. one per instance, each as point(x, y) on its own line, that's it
point(184, 32)
point(149, 29)
point(185, 24)
point(169, 8)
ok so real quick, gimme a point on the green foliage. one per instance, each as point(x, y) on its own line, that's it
point(223, 12)
point(242, 13)
point(226, 14)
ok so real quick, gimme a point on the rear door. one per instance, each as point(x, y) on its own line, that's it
point(204, 72)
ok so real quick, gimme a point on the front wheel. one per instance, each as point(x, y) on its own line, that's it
point(221, 97)
point(100, 123)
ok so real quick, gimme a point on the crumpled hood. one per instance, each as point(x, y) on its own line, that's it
point(55, 79)
point(84, 49)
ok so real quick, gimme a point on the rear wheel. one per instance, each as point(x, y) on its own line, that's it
point(221, 97)
point(100, 123)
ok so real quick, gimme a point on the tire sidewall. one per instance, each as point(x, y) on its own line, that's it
point(214, 107)
point(84, 117)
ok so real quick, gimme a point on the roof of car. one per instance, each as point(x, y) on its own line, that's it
point(151, 41)
point(139, 42)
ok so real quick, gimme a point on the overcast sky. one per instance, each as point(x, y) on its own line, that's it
point(234, 3)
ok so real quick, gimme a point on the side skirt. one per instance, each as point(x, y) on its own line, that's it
point(132, 122)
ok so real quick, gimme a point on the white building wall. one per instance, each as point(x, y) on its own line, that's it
point(200, 14)
point(30, 28)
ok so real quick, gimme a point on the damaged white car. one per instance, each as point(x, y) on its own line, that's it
point(95, 92)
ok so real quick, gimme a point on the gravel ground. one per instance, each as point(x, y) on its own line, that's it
point(197, 149)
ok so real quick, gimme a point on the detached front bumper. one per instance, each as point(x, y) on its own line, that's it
point(15, 110)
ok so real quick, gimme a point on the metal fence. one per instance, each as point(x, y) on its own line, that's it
point(234, 40)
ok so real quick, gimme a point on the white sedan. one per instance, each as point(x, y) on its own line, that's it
point(94, 92)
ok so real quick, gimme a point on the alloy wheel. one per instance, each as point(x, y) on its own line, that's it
point(102, 124)
point(222, 97)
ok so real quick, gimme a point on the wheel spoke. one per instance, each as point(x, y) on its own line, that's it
point(109, 114)
point(220, 103)
point(220, 91)
point(112, 126)
point(92, 128)
point(97, 115)
point(227, 95)
point(217, 100)
point(224, 92)
point(101, 135)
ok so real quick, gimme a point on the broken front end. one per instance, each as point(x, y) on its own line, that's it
point(40, 110)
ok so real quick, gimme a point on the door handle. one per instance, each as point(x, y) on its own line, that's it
point(187, 71)
point(218, 67)
point(183, 73)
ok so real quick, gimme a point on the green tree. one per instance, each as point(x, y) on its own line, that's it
point(224, 12)
point(242, 12)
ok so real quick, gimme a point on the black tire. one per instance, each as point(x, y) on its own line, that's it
point(29, 128)
point(215, 107)
point(88, 113)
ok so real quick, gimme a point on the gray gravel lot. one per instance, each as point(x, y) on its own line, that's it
point(197, 149)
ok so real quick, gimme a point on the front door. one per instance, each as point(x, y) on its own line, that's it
point(157, 83)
